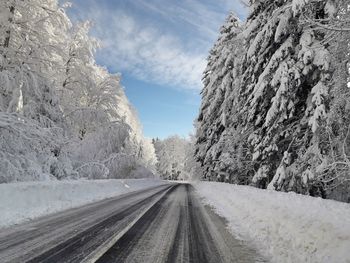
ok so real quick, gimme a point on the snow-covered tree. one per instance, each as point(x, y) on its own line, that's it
point(32, 34)
point(192, 168)
point(335, 172)
point(171, 154)
point(69, 116)
point(271, 125)
point(285, 84)
point(149, 158)
point(111, 138)
point(221, 80)
point(32, 37)
point(29, 151)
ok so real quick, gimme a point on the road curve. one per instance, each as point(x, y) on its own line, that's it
point(163, 224)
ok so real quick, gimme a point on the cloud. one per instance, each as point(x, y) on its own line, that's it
point(205, 16)
point(193, 13)
point(164, 43)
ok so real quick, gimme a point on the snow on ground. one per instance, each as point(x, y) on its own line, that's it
point(286, 227)
point(27, 200)
point(179, 181)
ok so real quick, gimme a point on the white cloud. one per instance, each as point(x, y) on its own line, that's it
point(204, 15)
point(147, 53)
point(132, 44)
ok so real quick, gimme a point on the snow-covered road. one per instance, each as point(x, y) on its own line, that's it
point(79, 234)
point(24, 201)
point(165, 223)
point(180, 229)
point(158, 221)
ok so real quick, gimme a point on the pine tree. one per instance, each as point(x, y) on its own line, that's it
point(273, 120)
point(285, 85)
point(335, 174)
point(220, 80)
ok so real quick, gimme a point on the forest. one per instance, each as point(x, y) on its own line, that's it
point(276, 103)
point(62, 116)
point(175, 131)
point(275, 109)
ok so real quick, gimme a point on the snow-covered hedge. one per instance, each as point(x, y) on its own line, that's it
point(29, 151)
point(287, 227)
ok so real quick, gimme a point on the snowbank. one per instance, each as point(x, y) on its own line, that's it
point(23, 201)
point(287, 227)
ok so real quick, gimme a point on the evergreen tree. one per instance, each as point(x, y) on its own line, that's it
point(220, 80)
point(265, 120)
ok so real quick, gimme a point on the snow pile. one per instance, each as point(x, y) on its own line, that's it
point(28, 200)
point(287, 227)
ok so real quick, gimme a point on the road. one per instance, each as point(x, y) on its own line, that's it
point(163, 224)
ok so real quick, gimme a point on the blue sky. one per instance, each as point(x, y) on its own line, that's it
point(160, 48)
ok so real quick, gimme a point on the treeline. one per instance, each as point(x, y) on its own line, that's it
point(275, 107)
point(175, 158)
point(61, 114)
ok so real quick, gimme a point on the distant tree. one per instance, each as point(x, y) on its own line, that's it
point(173, 162)
point(192, 168)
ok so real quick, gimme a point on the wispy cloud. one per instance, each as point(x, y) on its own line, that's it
point(169, 47)
point(205, 16)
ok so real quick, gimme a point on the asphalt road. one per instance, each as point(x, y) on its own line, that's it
point(163, 224)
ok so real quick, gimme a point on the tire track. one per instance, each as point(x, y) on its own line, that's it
point(73, 234)
point(178, 229)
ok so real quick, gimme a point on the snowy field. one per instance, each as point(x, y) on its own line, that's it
point(286, 227)
point(23, 201)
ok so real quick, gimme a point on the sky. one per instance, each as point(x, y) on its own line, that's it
point(160, 48)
